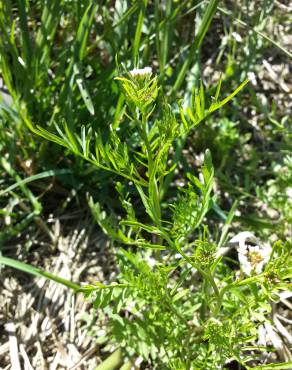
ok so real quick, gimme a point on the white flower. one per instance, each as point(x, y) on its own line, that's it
point(252, 258)
point(142, 72)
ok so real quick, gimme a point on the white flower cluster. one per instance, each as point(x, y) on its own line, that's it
point(252, 258)
point(143, 72)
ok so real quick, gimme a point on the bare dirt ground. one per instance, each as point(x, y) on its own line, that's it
point(42, 324)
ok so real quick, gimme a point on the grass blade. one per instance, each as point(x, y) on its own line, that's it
point(38, 272)
point(80, 81)
point(83, 31)
point(227, 224)
point(243, 24)
point(27, 48)
point(39, 176)
point(206, 21)
point(138, 32)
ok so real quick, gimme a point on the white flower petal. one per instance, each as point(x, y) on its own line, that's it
point(141, 71)
point(259, 267)
point(246, 268)
point(242, 236)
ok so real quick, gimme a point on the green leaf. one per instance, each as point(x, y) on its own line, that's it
point(49, 136)
point(146, 203)
point(216, 105)
point(208, 165)
point(218, 89)
point(149, 245)
point(180, 295)
point(196, 182)
point(148, 228)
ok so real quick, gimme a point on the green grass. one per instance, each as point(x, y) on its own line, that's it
point(58, 63)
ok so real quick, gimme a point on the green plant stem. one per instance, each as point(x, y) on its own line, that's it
point(177, 155)
point(147, 144)
point(253, 279)
point(152, 179)
point(151, 172)
point(205, 274)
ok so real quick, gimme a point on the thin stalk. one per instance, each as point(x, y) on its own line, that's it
point(177, 155)
point(151, 171)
